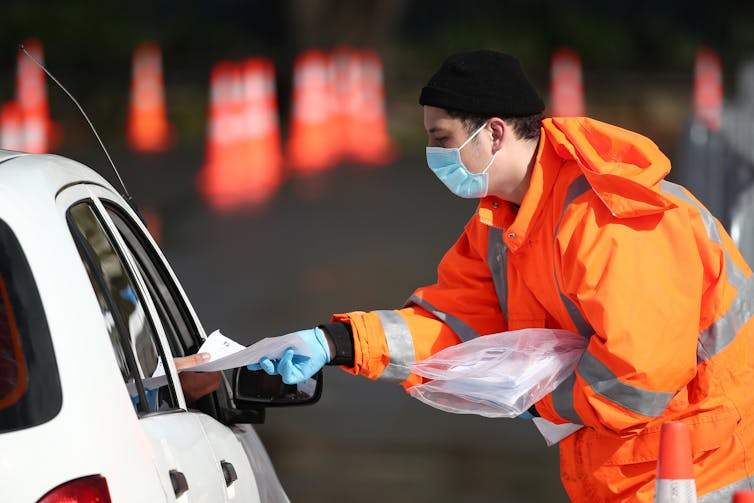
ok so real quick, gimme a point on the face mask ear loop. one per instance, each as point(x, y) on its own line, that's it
point(489, 164)
point(472, 136)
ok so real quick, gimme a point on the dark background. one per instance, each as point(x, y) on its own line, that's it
point(357, 237)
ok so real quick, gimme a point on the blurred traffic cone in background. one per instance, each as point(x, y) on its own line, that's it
point(153, 221)
point(219, 179)
point(148, 128)
point(674, 482)
point(743, 497)
point(11, 126)
point(260, 132)
point(373, 144)
point(708, 89)
point(566, 85)
point(31, 96)
point(347, 98)
point(311, 146)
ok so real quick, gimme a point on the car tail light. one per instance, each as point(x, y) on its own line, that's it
point(91, 489)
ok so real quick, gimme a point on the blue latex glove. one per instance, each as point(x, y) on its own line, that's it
point(294, 366)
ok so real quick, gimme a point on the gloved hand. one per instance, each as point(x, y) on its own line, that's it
point(294, 365)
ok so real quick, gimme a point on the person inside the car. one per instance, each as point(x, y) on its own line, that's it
point(195, 385)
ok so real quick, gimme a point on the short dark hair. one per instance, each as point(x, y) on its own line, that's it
point(526, 127)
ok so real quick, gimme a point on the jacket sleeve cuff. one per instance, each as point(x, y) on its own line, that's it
point(342, 338)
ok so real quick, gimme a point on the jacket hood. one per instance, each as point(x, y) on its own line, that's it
point(624, 168)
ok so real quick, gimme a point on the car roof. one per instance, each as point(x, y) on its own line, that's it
point(44, 174)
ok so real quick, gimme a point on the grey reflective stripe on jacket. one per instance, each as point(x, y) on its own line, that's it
point(711, 341)
point(562, 396)
point(600, 378)
point(461, 329)
point(578, 187)
point(497, 261)
point(400, 346)
point(722, 332)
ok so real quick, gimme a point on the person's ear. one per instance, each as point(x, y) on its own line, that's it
point(499, 132)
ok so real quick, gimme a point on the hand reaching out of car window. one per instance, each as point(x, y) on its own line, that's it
point(185, 362)
point(196, 384)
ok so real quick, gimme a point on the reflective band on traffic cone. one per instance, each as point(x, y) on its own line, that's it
point(148, 127)
point(566, 85)
point(675, 467)
point(31, 96)
point(708, 89)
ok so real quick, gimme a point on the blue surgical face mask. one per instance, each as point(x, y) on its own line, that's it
point(446, 163)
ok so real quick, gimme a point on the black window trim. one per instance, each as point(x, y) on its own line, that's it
point(166, 279)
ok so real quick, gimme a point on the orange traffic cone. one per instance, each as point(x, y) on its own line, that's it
point(311, 146)
point(31, 95)
point(566, 86)
point(148, 128)
point(708, 89)
point(260, 132)
point(243, 165)
point(674, 482)
point(223, 168)
point(743, 497)
point(11, 126)
point(347, 101)
point(375, 145)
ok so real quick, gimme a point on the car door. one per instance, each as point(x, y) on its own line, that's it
point(179, 323)
point(185, 460)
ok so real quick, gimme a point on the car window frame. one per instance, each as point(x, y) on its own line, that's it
point(161, 344)
point(216, 402)
point(167, 284)
point(42, 399)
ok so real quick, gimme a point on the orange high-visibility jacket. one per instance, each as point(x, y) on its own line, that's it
point(604, 246)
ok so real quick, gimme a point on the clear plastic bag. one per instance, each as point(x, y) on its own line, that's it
point(498, 375)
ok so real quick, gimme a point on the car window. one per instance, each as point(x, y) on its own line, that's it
point(180, 329)
point(132, 335)
point(12, 365)
point(30, 392)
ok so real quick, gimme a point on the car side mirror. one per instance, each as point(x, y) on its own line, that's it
point(256, 389)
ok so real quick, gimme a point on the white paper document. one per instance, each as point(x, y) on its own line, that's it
point(225, 354)
point(228, 354)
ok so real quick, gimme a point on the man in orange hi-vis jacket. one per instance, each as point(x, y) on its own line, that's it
point(576, 228)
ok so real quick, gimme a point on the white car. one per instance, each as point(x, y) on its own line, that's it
point(88, 307)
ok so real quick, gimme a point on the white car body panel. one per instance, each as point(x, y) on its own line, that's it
point(97, 430)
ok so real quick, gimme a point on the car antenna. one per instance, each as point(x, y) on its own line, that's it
point(125, 193)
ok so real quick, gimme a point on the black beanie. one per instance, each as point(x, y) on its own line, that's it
point(482, 82)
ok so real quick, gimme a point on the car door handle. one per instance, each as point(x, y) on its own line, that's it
point(229, 472)
point(180, 484)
